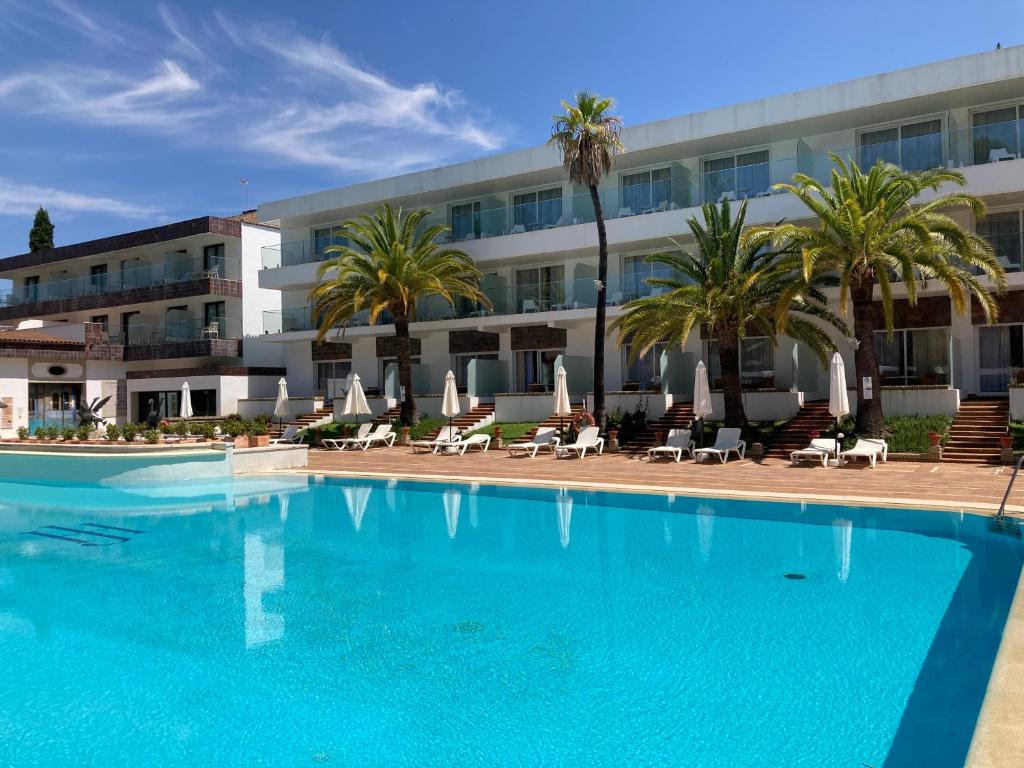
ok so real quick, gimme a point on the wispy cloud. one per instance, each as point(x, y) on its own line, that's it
point(18, 199)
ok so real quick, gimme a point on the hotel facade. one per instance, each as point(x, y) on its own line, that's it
point(134, 316)
point(530, 231)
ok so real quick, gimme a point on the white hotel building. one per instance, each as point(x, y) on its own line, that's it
point(530, 232)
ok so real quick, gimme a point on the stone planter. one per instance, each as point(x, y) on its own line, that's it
point(404, 439)
point(613, 440)
point(259, 441)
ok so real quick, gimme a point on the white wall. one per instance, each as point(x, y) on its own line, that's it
point(14, 384)
point(256, 300)
point(762, 406)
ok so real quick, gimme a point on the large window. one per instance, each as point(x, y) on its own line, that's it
point(1000, 356)
point(757, 363)
point(323, 238)
point(465, 221)
point(997, 134)
point(535, 369)
point(331, 376)
point(646, 191)
point(912, 146)
point(1003, 231)
point(167, 403)
point(30, 288)
point(539, 289)
point(913, 356)
point(98, 278)
point(635, 272)
point(536, 210)
point(213, 259)
point(736, 177)
point(645, 371)
point(460, 365)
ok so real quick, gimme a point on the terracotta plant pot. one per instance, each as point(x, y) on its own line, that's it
point(259, 441)
point(813, 434)
point(1006, 441)
point(934, 438)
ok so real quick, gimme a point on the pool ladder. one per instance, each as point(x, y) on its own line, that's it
point(1001, 514)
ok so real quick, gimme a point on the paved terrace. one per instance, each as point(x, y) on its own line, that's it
point(949, 486)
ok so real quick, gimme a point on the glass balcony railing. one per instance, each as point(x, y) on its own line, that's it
point(555, 296)
point(696, 180)
point(171, 331)
point(129, 278)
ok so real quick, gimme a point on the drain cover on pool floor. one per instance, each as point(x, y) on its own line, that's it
point(795, 576)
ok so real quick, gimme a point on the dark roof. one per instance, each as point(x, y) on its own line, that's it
point(34, 336)
point(204, 224)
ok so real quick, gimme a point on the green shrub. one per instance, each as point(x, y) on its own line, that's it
point(181, 428)
point(84, 431)
point(424, 427)
point(256, 428)
point(903, 434)
point(510, 432)
point(113, 432)
point(151, 436)
point(52, 433)
point(40, 432)
point(233, 428)
point(130, 432)
point(69, 433)
point(203, 429)
point(23, 433)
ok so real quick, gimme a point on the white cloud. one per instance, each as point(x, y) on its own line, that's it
point(17, 199)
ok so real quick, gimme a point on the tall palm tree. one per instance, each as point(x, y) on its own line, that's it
point(588, 136)
point(870, 232)
point(387, 266)
point(735, 288)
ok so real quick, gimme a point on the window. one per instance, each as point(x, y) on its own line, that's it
point(323, 238)
point(384, 362)
point(997, 134)
point(1003, 231)
point(539, 289)
point(465, 221)
point(103, 321)
point(132, 333)
point(167, 403)
point(30, 287)
point(536, 210)
point(645, 371)
point(736, 177)
point(635, 272)
point(912, 146)
point(646, 191)
point(98, 278)
point(535, 369)
point(1000, 356)
point(331, 376)
point(913, 356)
point(213, 259)
point(460, 365)
point(757, 363)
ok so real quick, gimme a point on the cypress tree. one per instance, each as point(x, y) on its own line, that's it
point(41, 234)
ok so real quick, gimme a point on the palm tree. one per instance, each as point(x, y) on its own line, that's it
point(736, 289)
point(870, 233)
point(587, 136)
point(387, 266)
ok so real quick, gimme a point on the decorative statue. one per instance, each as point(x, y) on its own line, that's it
point(89, 415)
point(152, 418)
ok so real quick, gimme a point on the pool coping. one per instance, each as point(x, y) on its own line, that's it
point(963, 507)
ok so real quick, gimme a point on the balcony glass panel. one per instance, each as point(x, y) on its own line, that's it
point(996, 135)
point(1003, 231)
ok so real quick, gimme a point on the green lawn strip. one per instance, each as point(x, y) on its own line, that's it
point(510, 432)
point(904, 434)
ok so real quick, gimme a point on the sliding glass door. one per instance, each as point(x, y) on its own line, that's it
point(1000, 357)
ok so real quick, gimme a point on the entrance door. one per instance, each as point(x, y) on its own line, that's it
point(1000, 357)
point(53, 404)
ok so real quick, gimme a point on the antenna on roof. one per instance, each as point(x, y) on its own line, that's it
point(244, 181)
point(999, 46)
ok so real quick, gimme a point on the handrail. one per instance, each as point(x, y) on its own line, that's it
point(1009, 487)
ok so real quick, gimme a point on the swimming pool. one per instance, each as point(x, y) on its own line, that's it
point(292, 620)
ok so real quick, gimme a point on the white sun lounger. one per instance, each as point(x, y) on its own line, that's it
point(868, 449)
point(446, 436)
point(678, 440)
point(587, 439)
point(460, 446)
point(821, 449)
point(341, 443)
point(726, 441)
point(545, 438)
point(290, 435)
point(382, 434)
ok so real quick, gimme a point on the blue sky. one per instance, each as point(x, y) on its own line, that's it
point(122, 115)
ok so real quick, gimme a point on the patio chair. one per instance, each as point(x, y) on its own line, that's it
point(726, 441)
point(545, 438)
point(1000, 154)
point(289, 435)
point(868, 449)
point(588, 438)
point(446, 436)
point(625, 211)
point(821, 449)
point(530, 305)
point(212, 331)
point(678, 440)
point(461, 445)
point(382, 434)
point(341, 443)
point(518, 229)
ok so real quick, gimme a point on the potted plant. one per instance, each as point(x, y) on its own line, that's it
point(129, 432)
point(235, 429)
point(612, 423)
point(84, 430)
point(813, 434)
point(204, 430)
point(934, 438)
point(257, 434)
point(52, 433)
point(40, 432)
point(69, 434)
point(151, 436)
point(1006, 441)
point(23, 433)
point(113, 432)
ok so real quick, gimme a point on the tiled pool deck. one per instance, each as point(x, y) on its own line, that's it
point(999, 735)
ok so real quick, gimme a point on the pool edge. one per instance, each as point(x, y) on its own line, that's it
point(998, 739)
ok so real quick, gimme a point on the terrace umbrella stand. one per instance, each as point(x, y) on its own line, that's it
point(702, 406)
point(563, 407)
point(838, 398)
point(450, 401)
point(281, 409)
point(355, 400)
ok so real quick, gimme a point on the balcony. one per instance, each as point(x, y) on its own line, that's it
point(137, 285)
point(188, 337)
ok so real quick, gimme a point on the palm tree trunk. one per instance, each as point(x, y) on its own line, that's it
point(602, 294)
point(403, 345)
point(865, 360)
point(732, 388)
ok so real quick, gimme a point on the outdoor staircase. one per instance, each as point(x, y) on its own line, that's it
point(475, 418)
point(555, 421)
point(796, 434)
point(976, 429)
point(679, 416)
point(302, 421)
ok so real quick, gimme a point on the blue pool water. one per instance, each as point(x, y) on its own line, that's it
point(292, 622)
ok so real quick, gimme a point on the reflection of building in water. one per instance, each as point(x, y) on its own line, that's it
point(264, 572)
point(842, 541)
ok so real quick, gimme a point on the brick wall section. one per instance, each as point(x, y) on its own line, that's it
point(928, 312)
point(465, 342)
point(387, 346)
point(538, 337)
point(209, 370)
point(332, 350)
point(231, 289)
point(201, 226)
point(42, 353)
point(1011, 308)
